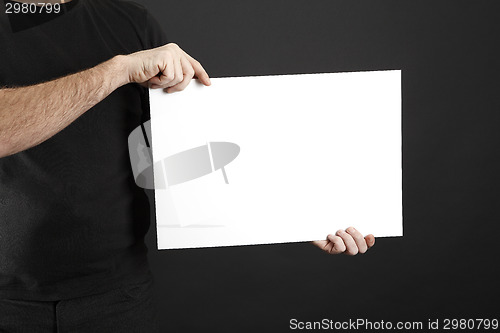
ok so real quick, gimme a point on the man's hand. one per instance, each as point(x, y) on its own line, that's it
point(166, 67)
point(53, 105)
point(350, 242)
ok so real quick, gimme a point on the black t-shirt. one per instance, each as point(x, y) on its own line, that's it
point(72, 220)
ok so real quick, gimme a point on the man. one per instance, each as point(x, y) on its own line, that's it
point(72, 221)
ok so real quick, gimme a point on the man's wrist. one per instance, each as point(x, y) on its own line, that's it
point(119, 67)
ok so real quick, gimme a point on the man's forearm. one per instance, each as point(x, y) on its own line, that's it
point(30, 115)
point(33, 114)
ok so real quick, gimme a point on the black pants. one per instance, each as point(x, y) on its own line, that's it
point(129, 309)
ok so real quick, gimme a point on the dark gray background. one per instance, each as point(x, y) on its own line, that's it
point(446, 264)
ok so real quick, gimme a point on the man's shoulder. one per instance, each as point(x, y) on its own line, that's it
point(137, 16)
point(126, 14)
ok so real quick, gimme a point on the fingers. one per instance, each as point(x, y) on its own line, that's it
point(338, 245)
point(163, 67)
point(350, 244)
point(171, 75)
point(166, 76)
point(179, 72)
point(188, 74)
point(358, 239)
point(168, 73)
point(332, 245)
point(323, 245)
point(199, 71)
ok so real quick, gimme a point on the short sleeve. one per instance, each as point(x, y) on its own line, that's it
point(155, 36)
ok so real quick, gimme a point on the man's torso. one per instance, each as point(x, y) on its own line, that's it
point(72, 220)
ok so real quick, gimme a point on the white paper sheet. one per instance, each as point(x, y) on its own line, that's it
point(303, 155)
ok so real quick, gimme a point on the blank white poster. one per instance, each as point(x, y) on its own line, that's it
point(273, 159)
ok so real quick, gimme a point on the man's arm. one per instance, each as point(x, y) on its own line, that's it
point(30, 115)
point(33, 114)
